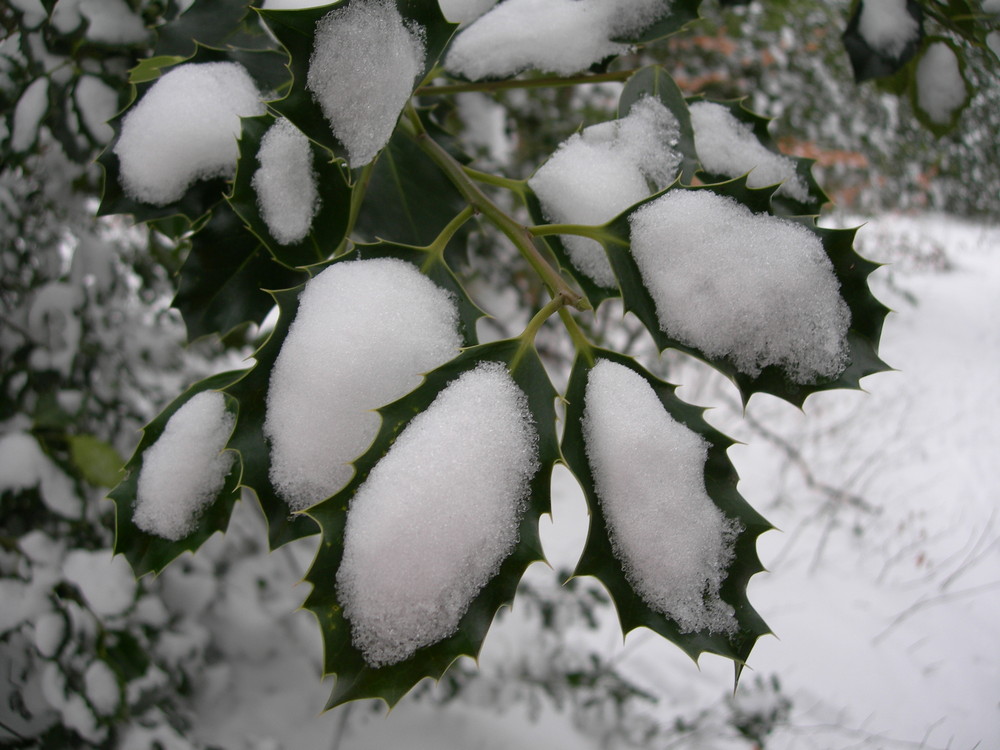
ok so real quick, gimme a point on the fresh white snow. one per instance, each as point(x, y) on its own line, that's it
point(365, 333)
point(940, 87)
point(185, 128)
point(185, 468)
point(97, 103)
point(106, 583)
point(464, 11)
point(23, 465)
point(28, 114)
point(363, 68)
point(729, 147)
point(649, 470)
point(887, 26)
point(596, 174)
point(557, 36)
point(101, 687)
point(107, 21)
point(751, 288)
point(437, 516)
point(285, 183)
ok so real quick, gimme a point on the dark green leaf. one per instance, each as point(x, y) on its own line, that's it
point(148, 553)
point(220, 24)
point(598, 558)
point(355, 678)
point(682, 12)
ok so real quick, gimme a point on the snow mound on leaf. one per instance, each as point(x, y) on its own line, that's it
point(649, 471)
point(106, 583)
point(464, 11)
point(185, 468)
point(729, 147)
point(364, 334)
point(363, 68)
point(940, 87)
point(751, 288)
point(285, 183)
point(596, 174)
point(557, 36)
point(887, 26)
point(437, 516)
point(184, 129)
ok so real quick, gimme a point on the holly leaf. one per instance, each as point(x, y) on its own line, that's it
point(867, 62)
point(221, 284)
point(296, 31)
point(328, 225)
point(355, 678)
point(220, 24)
point(681, 13)
point(148, 553)
point(599, 559)
point(918, 95)
point(851, 270)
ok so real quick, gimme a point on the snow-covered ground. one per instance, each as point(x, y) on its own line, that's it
point(884, 582)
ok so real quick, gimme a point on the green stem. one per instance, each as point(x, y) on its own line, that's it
point(583, 230)
point(435, 250)
point(527, 337)
point(583, 346)
point(515, 232)
point(358, 193)
point(516, 186)
point(524, 83)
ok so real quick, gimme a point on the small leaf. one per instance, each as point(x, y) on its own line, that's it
point(146, 552)
point(355, 678)
point(220, 24)
point(97, 461)
point(599, 559)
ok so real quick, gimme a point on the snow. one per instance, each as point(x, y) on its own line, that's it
point(751, 288)
point(23, 465)
point(108, 21)
point(363, 68)
point(991, 6)
point(887, 26)
point(649, 471)
point(292, 4)
point(184, 470)
point(596, 174)
point(21, 602)
point(940, 86)
point(101, 687)
point(50, 631)
point(557, 36)
point(184, 129)
point(729, 147)
point(285, 183)
point(29, 113)
point(437, 516)
point(97, 103)
point(364, 334)
point(464, 11)
point(106, 583)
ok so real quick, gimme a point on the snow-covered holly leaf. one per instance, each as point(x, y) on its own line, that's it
point(359, 69)
point(681, 13)
point(736, 141)
point(180, 501)
point(299, 202)
point(454, 558)
point(939, 85)
point(801, 322)
point(221, 284)
point(670, 537)
point(882, 37)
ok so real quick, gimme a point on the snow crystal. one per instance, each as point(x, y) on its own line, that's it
point(50, 630)
point(437, 516)
point(940, 86)
point(184, 129)
point(98, 103)
point(364, 334)
point(362, 71)
point(597, 173)
point(887, 26)
point(752, 288)
point(185, 468)
point(464, 11)
point(101, 687)
point(286, 182)
point(106, 582)
point(649, 471)
point(558, 36)
point(28, 114)
point(729, 147)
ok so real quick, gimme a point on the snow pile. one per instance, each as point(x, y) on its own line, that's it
point(887, 26)
point(285, 183)
point(729, 147)
point(29, 113)
point(23, 466)
point(752, 288)
point(106, 583)
point(649, 471)
point(940, 87)
point(185, 129)
point(437, 516)
point(364, 334)
point(558, 36)
point(101, 686)
point(108, 21)
point(185, 468)
point(596, 174)
point(464, 11)
point(97, 103)
point(362, 71)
